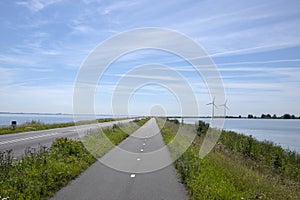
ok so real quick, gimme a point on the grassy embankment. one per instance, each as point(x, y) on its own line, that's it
point(38, 125)
point(239, 167)
point(40, 173)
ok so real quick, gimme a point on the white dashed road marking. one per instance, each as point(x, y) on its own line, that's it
point(132, 175)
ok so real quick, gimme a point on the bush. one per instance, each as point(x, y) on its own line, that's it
point(41, 172)
point(202, 127)
point(231, 172)
point(284, 162)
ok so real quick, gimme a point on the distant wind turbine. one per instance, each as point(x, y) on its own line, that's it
point(225, 106)
point(213, 107)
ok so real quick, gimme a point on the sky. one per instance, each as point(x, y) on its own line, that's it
point(255, 46)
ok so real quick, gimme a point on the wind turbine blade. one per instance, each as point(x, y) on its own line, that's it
point(224, 105)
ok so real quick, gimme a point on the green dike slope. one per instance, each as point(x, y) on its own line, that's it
point(231, 171)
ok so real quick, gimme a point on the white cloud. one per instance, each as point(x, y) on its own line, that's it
point(37, 98)
point(13, 59)
point(260, 62)
point(232, 50)
point(82, 29)
point(116, 6)
point(45, 42)
point(37, 5)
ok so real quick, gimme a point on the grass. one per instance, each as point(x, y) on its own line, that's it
point(39, 125)
point(42, 172)
point(101, 141)
point(266, 155)
point(229, 174)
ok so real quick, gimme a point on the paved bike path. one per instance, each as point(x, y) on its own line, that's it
point(102, 182)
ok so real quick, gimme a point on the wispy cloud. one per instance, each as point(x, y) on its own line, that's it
point(260, 62)
point(37, 5)
point(116, 6)
point(40, 44)
point(13, 59)
point(82, 29)
point(147, 77)
point(59, 99)
point(256, 49)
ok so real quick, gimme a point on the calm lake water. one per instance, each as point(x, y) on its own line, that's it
point(284, 132)
point(280, 131)
point(5, 119)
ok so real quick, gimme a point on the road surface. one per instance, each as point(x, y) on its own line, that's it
point(18, 142)
point(102, 182)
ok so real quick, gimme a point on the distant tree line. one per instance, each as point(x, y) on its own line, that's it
point(268, 116)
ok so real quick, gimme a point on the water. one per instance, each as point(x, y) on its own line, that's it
point(280, 131)
point(283, 132)
point(5, 119)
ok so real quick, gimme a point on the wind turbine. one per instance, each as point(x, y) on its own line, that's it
point(213, 107)
point(225, 106)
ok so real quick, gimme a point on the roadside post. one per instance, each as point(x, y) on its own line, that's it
point(14, 124)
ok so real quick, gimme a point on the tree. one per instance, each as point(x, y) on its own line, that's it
point(274, 116)
point(286, 116)
point(293, 117)
point(265, 116)
point(250, 116)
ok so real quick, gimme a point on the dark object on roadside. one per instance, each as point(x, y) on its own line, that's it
point(14, 124)
point(202, 127)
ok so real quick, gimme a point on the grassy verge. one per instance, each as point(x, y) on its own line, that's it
point(38, 125)
point(98, 143)
point(228, 173)
point(40, 173)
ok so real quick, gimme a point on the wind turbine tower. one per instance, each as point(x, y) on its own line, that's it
point(225, 107)
point(213, 107)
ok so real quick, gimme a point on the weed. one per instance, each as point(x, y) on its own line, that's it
point(239, 167)
point(43, 171)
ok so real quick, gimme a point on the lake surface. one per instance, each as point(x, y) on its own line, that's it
point(284, 132)
point(5, 119)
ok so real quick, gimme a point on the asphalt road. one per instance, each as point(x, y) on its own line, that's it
point(102, 182)
point(18, 142)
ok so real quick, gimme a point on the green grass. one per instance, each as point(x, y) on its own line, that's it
point(227, 174)
point(40, 173)
point(267, 155)
point(39, 125)
point(98, 143)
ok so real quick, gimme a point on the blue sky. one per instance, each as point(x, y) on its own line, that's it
point(254, 44)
